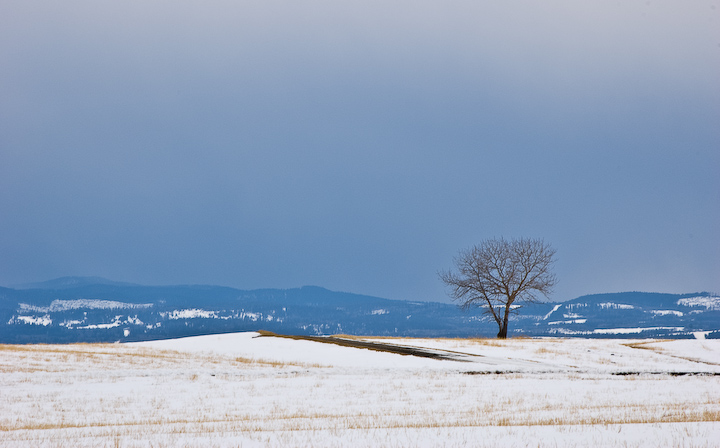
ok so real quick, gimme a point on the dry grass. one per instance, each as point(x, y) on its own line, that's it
point(543, 350)
point(303, 420)
point(645, 345)
point(108, 355)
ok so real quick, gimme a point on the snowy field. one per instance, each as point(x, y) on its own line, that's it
point(248, 391)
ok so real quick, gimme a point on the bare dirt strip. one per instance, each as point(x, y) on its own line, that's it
point(380, 347)
point(506, 365)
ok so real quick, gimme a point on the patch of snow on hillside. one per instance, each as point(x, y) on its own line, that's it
point(319, 330)
point(615, 306)
point(711, 303)
point(568, 332)
point(116, 322)
point(512, 307)
point(667, 312)
point(193, 313)
point(252, 316)
point(555, 308)
point(255, 317)
point(32, 320)
point(113, 324)
point(633, 330)
point(573, 321)
point(95, 304)
point(71, 323)
point(134, 320)
point(573, 306)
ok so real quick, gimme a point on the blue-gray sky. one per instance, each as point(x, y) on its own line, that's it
point(358, 145)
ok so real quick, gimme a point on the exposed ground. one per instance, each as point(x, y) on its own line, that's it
point(244, 390)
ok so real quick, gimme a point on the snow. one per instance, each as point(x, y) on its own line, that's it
point(555, 308)
point(573, 321)
point(32, 320)
point(667, 312)
point(67, 305)
point(244, 390)
point(134, 320)
point(116, 322)
point(711, 303)
point(249, 345)
point(615, 306)
point(572, 306)
point(189, 314)
point(113, 324)
point(71, 323)
point(633, 330)
point(701, 334)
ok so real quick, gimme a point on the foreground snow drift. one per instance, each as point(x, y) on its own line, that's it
point(241, 390)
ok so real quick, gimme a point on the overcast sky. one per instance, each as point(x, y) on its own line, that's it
point(359, 145)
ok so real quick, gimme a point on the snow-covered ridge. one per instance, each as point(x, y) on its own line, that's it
point(95, 304)
point(711, 303)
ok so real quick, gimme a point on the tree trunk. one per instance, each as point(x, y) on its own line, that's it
point(502, 334)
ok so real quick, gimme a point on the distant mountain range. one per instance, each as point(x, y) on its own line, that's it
point(92, 309)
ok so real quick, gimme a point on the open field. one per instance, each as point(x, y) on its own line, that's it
point(244, 390)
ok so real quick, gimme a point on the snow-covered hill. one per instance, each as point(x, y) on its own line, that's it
point(79, 310)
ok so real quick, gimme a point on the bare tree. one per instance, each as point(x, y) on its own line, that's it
point(496, 274)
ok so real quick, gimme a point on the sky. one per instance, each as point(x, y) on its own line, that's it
point(359, 145)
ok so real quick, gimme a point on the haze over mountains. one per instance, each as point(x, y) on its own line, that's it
point(93, 309)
